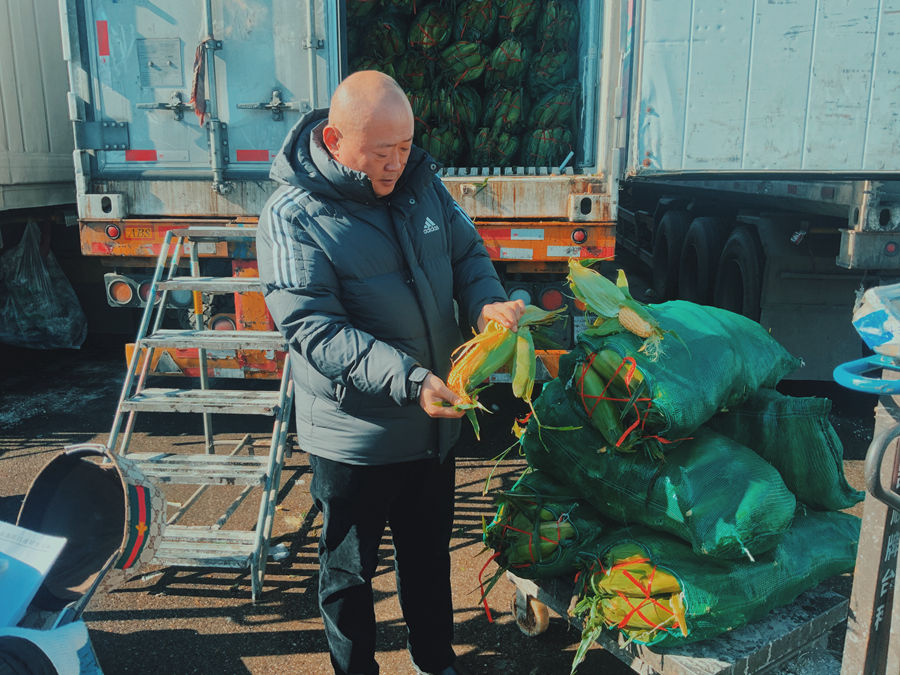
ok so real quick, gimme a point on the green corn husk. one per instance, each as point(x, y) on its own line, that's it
point(386, 39)
point(369, 63)
point(507, 64)
point(414, 71)
point(444, 143)
point(423, 105)
point(505, 110)
point(549, 69)
point(491, 148)
point(464, 61)
point(556, 108)
point(476, 21)
point(360, 8)
point(547, 147)
point(431, 28)
point(459, 106)
point(517, 16)
point(558, 22)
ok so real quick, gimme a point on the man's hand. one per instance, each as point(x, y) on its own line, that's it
point(507, 314)
point(434, 393)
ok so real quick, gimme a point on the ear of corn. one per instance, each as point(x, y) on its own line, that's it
point(479, 358)
point(599, 294)
point(524, 365)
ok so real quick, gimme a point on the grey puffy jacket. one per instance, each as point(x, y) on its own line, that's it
point(363, 290)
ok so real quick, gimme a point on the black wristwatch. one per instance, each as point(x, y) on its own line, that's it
point(414, 383)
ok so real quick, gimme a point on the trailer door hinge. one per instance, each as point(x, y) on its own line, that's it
point(314, 44)
point(102, 136)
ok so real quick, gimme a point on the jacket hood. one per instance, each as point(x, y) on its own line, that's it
point(304, 162)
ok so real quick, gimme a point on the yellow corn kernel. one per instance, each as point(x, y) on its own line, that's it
point(479, 358)
point(634, 322)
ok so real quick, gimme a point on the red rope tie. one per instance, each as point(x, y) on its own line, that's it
point(487, 610)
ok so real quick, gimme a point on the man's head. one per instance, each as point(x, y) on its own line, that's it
point(370, 128)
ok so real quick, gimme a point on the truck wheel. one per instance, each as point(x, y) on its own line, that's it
point(667, 243)
point(739, 274)
point(699, 259)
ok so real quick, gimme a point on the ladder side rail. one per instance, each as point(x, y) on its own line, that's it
point(135, 354)
point(148, 351)
point(201, 351)
point(173, 269)
point(273, 473)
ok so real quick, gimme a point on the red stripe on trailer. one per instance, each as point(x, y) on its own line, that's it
point(495, 233)
point(252, 155)
point(140, 155)
point(102, 38)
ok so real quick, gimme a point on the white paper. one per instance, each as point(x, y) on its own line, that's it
point(25, 559)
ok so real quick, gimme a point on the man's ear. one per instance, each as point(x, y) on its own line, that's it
point(331, 137)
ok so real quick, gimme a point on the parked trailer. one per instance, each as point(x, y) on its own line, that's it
point(35, 136)
point(146, 164)
point(763, 172)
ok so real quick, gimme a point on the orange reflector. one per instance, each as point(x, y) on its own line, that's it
point(551, 299)
point(121, 292)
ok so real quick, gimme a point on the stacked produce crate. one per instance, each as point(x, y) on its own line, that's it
point(493, 83)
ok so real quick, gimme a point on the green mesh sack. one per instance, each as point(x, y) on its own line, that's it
point(547, 147)
point(360, 8)
point(505, 109)
point(796, 437)
point(476, 20)
point(506, 64)
point(710, 359)
point(494, 148)
point(369, 63)
point(423, 106)
point(414, 70)
point(459, 106)
point(549, 69)
point(722, 498)
point(517, 16)
point(715, 596)
point(386, 39)
point(463, 61)
point(542, 529)
point(557, 108)
point(558, 22)
point(443, 143)
point(431, 29)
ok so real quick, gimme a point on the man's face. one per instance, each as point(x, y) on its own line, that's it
point(380, 149)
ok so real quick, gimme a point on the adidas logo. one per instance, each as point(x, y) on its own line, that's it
point(430, 226)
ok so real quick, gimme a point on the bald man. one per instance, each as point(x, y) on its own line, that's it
point(362, 253)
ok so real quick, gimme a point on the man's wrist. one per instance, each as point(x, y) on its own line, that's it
point(414, 380)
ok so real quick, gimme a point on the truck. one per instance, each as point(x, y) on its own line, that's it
point(744, 153)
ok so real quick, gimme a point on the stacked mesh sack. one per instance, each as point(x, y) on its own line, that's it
point(717, 497)
point(492, 83)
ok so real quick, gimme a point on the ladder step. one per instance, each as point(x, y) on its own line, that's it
point(187, 546)
point(216, 339)
point(201, 233)
point(227, 401)
point(201, 469)
point(213, 284)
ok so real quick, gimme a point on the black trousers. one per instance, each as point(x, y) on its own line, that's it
point(416, 500)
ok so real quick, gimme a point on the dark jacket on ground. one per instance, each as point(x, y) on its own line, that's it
point(363, 290)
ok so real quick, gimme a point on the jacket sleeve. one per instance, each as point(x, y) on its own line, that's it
point(302, 292)
point(475, 281)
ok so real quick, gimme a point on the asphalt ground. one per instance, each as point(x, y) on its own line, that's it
point(203, 621)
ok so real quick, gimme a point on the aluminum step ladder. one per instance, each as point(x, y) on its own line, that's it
point(206, 545)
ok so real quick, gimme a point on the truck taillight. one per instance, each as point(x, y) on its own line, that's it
point(144, 291)
point(223, 322)
point(120, 291)
point(113, 231)
point(551, 299)
point(520, 293)
point(579, 236)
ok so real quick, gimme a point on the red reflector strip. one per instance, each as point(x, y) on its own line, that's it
point(252, 155)
point(140, 155)
point(102, 38)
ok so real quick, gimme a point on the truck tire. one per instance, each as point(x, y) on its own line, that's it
point(739, 274)
point(667, 244)
point(700, 253)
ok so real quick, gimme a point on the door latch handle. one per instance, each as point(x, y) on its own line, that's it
point(275, 104)
point(175, 103)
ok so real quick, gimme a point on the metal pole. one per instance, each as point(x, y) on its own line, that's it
point(216, 130)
